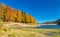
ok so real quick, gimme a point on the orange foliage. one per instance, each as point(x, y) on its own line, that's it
point(14, 14)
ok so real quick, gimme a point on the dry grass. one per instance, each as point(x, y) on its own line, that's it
point(23, 32)
point(5, 31)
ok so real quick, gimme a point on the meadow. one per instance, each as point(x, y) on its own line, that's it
point(28, 32)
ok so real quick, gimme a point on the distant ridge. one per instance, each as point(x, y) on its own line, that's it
point(53, 22)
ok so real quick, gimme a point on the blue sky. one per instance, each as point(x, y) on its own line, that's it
point(41, 10)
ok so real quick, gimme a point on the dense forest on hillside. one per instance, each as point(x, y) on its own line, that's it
point(9, 14)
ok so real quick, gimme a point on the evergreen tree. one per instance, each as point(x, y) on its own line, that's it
point(58, 21)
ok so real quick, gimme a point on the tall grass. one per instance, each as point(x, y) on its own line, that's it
point(1, 22)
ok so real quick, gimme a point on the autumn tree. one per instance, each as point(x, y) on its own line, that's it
point(22, 16)
point(9, 14)
point(16, 20)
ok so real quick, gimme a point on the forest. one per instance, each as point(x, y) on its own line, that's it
point(14, 15)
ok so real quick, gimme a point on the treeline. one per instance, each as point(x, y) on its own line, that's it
point(9, 14)
point(53, 22)
point(58, 21)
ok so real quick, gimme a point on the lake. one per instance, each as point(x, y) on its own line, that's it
point(49, 26)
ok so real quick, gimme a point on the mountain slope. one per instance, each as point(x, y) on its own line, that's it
point(9, 14)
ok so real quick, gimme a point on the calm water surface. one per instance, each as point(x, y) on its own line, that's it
point(49, 26)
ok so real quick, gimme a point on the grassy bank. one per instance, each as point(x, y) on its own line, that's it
point(52, 32)
point(22, 32)
point(28, 32)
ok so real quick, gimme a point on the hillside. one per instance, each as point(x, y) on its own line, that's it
point(53, 22)
point(10, 14)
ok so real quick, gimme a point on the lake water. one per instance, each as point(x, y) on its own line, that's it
point(49, 26)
